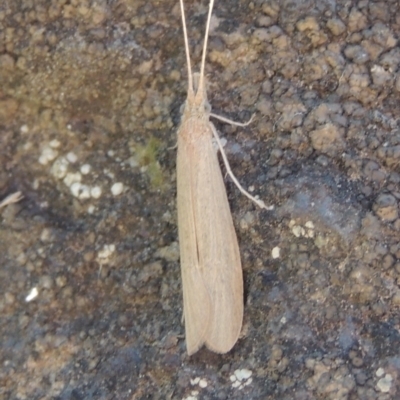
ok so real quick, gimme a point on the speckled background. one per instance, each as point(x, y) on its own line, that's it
point(90, 96)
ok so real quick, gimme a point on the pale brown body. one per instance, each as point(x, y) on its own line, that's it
point(211, 269)
point(210, 260)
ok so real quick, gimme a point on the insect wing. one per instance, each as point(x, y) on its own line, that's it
point(196, 299)
point(217, 283)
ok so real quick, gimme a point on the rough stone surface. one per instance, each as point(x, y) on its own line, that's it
point(90, 97)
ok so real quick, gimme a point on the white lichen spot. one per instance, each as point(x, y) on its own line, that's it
point(276, 252)
point(309, 234)
point(59, 168)
point(32, 295)
point(203, 383)
point(379, 372)
point(132, 162)
point(108, 173)
point(310, 229)
point(80, 191)
point(241, 378)
point(71, 178)
point(198, 381)
point(117, 188)
point(309, 225)
point(194, 381)
point(55, 144)
point(223, 142)
point(243, 374)
point(248, 382)
point(48, 154)
point(384, 384)
point(46, 235)
point(298, 231)
point(321, 241)
point(169, 253)
point(24, 129)
point(215, 143)
point(85, 169)
point(72, 157)
point(95, 192)
point(106, 252)
point(85, 192)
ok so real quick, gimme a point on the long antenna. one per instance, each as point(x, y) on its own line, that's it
point(203, 58)
point(190, 77)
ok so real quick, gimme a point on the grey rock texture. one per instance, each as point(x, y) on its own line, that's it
point(90, 96)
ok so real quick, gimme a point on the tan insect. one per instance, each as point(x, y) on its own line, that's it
point(210, 260)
